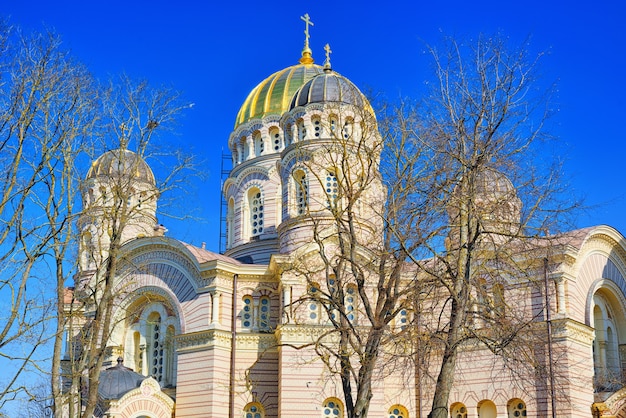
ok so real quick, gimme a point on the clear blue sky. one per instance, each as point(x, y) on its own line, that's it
point(216, 52)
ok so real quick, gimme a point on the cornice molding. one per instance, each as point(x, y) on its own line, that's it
point(570, 330)
point(204, 340)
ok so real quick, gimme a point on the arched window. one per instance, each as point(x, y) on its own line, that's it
point(347, 128)
point(103, 194)
point(606, 357)
point(255, 203)
point(254, 410)
point(331, 189)
point(301, 191)
point(157, 349)
point(458, 410)
point(150, 343)
point(487, 409)
point(313, 304)
point(129, 198)
point(259, 146)
point(317, 126)
point(88, 250)
point(275, 137)
point(350, 303)
point(247, 314)
point(398, 411)
point(332, 408)
point(333, 125)
point(301, 130)
point(516, 408)
point(402, 319)
point(264, 313)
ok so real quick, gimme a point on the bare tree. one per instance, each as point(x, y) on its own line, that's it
point(491, 198)
point(45, 114)
point(353, 234)
point(119, 204)
point(429, 217)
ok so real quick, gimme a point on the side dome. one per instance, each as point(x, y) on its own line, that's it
point(119, 162)
point(273, 95)
point(329, 87)
point(117, 381)
point(495, 199)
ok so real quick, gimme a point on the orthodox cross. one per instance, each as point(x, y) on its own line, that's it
point(328, 52)
point(307, 22)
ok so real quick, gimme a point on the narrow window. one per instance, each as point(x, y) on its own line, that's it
point(156, 347)
point(332, 189)
point(301, 130)
point(350, 303)
point(255, 199)
point(246, 317)
point(333, 125)
point(259, 146)
point(313, 306)
point(275, 135)
point(264, 313)
point(302, 192)
point(347, 128)
point(317, 127)
point(402, 318)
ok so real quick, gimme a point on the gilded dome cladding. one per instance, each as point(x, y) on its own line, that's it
point(121, 161)
point(273, 95)
point(329, 87)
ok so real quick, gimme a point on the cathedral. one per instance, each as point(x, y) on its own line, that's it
point(202, 334)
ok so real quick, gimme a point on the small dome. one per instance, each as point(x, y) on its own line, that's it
point(118, 380)
point(121, 161)
point(329, 87)
point(490, 182)
point(273, 95)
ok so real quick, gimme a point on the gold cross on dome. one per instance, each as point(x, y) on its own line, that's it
point(307, 22)
point(328, 52)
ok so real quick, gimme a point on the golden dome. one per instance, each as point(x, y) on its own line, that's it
point(273, 95)
point(121, 162)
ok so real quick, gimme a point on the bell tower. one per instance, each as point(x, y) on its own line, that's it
point(119, 195)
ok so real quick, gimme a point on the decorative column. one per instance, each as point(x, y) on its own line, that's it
point(239, 152)
point(560, 296)
point(215, 308)
point(250, 146)
point(286, 304)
